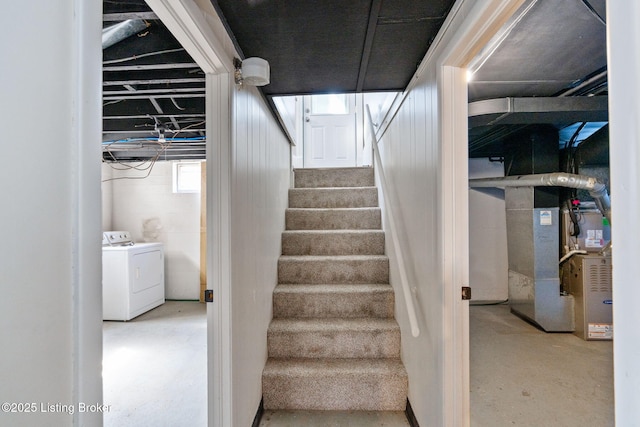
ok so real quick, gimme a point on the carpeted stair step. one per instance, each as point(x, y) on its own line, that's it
point(334, 177)
point(333, 197)
point(333, 219)
point(334, 338)
point(331, 301)
point(333, 269)
point(335, 384)
point(333, 242)
point(333, 343)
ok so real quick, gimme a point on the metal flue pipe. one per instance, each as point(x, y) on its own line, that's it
point(596, 189)
point(118, 32)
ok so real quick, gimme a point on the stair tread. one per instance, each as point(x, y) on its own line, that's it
point(360, 324)
point(302, 189)
point(339, 288)
point(363, 208)
point(333, 169)
point(333, 257)
point(301, 367)
point(333, 231)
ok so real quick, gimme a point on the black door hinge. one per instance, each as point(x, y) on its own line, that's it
point(466, 293)
point(208, 295)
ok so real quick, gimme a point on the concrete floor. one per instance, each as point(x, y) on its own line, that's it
point(521, 376)
point(155, 375)
point(154, 368)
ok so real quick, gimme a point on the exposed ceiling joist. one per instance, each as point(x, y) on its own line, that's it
point(118, 17)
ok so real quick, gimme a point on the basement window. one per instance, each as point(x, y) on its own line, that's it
point(330, 104)
point(186, 177)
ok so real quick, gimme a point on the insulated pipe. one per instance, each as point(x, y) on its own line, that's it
point(118, 32)
point(596, 189)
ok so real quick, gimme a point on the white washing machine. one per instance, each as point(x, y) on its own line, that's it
point(132, 276)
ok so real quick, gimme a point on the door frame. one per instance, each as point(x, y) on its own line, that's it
point(485, 19)
point(190, 25)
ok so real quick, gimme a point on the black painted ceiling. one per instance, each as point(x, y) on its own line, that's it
point(549, 49)
point(335, 45)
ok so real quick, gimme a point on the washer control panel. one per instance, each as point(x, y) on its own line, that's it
point(116, 238)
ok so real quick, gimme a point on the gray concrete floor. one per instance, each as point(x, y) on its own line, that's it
point(521, 376)
point(154, 368)
point(155, 375)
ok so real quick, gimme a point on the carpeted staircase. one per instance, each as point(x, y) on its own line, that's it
point(333, 342)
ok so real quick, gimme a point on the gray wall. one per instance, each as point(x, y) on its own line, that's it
point(488, 263)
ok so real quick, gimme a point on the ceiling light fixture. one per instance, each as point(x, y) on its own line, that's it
point(252, 71)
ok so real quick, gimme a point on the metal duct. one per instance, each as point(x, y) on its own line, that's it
point(118, 32)
point(596, 189)
point(535, 110)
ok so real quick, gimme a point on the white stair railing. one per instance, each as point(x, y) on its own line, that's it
point(404, 280)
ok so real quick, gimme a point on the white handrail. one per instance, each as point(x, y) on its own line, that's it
point(404, 281)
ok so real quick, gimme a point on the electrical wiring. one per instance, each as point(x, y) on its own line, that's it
point(112, 102)
point(145, 165)
point(176, 105)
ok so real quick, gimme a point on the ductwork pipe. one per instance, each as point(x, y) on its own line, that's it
point(118, 32)
point(596, 189)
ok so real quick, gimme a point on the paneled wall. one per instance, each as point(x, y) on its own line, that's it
point(152, 212)
point(260, 180)
point(410, 154)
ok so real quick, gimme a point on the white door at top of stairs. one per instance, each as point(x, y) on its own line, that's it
point(329, 131)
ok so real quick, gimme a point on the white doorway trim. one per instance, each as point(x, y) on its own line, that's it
point(190, 23)
point(483, 21)
point(219, 342)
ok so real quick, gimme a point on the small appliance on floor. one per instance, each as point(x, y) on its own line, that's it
point(132, 276)
point(588, 278)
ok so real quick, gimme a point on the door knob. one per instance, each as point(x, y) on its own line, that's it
point(307, 119)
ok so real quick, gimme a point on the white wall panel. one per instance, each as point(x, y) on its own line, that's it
point(412, 164)
point(259, 184)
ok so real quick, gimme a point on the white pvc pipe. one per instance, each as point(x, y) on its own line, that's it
point(404, 280)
